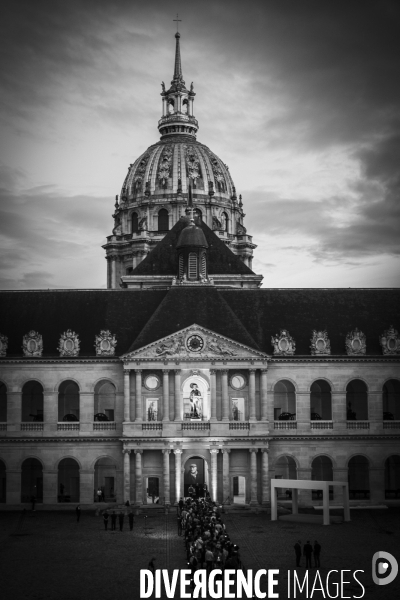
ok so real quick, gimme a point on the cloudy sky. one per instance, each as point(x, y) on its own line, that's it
point(300, 98)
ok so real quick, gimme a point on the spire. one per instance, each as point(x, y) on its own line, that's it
point(178, 63)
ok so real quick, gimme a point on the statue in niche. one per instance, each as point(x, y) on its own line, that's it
point(195, 402)
point(216, 223)
point(142, 225)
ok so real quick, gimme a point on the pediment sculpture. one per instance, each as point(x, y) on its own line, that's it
point(356, 343)
point(105, 343)
point(320, 344)
point(284, 344)
point(195, 342)
point(3, 345)
point(69, 344)
point(32, 344)
point(390, 341)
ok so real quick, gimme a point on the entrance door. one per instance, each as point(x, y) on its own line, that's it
point(239, 490)
point(153, 490)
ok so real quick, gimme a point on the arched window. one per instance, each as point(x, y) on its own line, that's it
point(392, 476)
point(31, 480)
point(135, 222)
point(104, 401)
point(285, 468)
point(68, 401)
point(170, 105)
point(3, 403)
point(32, 402)
point(321, 470)
point(284, 400)
point(192, 266)
point(391, 400)
point(357, 401)
point(3, 482)
point(321, 401)
point(185, 106)
point(68, 480)
point(163, 220)
point(359, 477)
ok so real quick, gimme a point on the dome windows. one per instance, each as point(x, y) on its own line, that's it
point(135, 222)
point(163, 224)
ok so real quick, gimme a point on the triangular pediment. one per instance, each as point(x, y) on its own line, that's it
point(194, 342)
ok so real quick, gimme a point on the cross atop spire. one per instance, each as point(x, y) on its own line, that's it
point(178, 20)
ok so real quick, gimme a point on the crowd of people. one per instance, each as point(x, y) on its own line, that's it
point(207, 542)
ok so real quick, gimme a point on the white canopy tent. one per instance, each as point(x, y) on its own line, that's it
point(306, 484)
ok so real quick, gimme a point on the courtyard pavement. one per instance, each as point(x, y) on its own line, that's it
point(49, 556)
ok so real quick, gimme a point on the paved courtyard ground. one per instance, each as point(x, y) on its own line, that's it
point(48, 556)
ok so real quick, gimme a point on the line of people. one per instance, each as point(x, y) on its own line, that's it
point(120, 515)
point(206, 540)
point(308, 552)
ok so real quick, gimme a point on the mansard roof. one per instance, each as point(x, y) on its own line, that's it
point(251, 317)
point(163, 259)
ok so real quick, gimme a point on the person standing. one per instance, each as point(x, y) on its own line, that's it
point(105, 519)
point(317, 552)
point(131, 520)
point(99, 494)
point(113, 521)
point(307, 551)
point(78, 513)
point(297, 549)
point(121, 520)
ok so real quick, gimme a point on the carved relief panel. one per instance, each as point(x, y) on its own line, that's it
point(284, 344)
point(320, 344)
point(69, 344)
point(32, 344)
point(356, 343)
point(105, 343)
point(390, 341)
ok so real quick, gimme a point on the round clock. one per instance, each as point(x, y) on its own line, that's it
point(195, 343)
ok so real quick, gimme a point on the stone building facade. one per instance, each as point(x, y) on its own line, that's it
point(186, 365)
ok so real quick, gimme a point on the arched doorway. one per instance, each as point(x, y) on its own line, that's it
point(392, 477)
point(321, 470)
point(68, 480)
point(285, 468)
point(32, 402)
point(3, 481)
point(320, 401)
point(68, 401)
point(105, 478)
point(391, 400)
point(31, 480)
point(359, 477)
point(357, 401)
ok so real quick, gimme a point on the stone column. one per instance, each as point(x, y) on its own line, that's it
point(178, 469)
point(265, 494)
point(50, 486)
point(14, 411)
point(138, 477)
point(86, 481)
point(253, 475)
point(377, 484)
point(113, 272)
point(127, 474)
point(225, 396)
point(13, 486)
point(252, 394)
point(213, 395)
point(165, 416)
point(178, 403)
point(127, 396)
point(138, 398)
point(50, 411)
point(214, 474)
point(264, 395)
point(339, 474)
point(167, 495)
point(163, 107)
point(226, 476)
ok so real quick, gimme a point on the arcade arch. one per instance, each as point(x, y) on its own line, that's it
point(104, 401)
point(31, 480)
point(357, 400)
point(32, 402)
point(391, 400)
point(392, 476)
point(358, 477)
point(105, 478)
point(68, 401)
point(68, 480)
point(284, 400)
point(320, 401)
